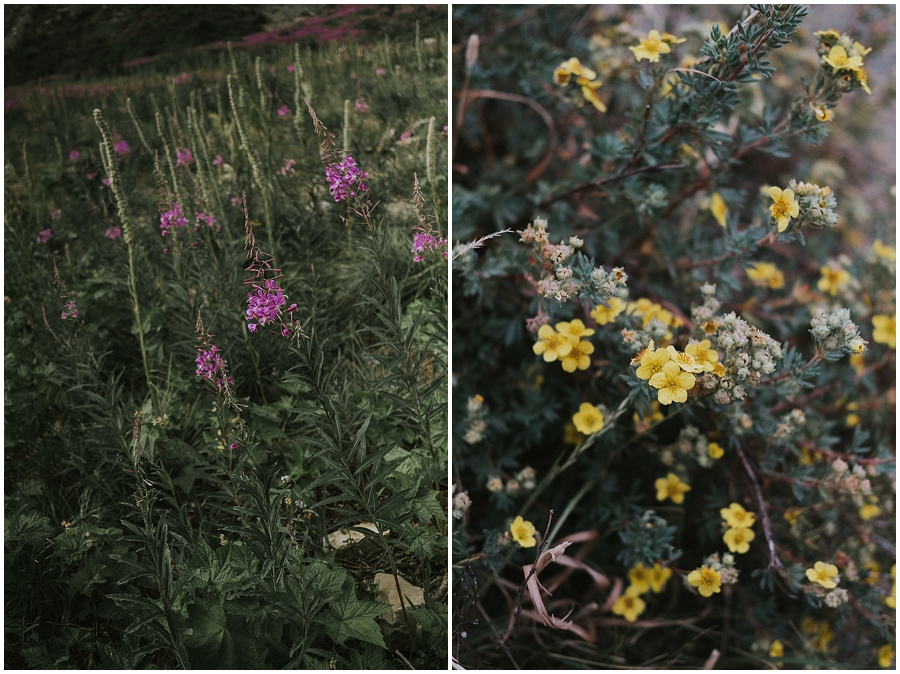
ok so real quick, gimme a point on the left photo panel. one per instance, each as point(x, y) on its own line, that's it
point(225, 337)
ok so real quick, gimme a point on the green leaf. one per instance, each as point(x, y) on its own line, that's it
point(348, 618)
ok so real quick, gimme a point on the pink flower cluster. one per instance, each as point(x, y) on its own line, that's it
point(122, 147)
point(74, 155)
point(288, 168)
point(171, 219)
point(218, 160)
point(265, 305)
point(345, 178)
point(210, 366)
point(284, 110)
point(114, 233)
point(54, 215)
point(183, 156)
point(71, 310)
point(209, 219)
point(361, 105)
point(44, 236)
point(423, 241)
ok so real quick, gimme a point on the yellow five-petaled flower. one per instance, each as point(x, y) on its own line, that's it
point(671, 487)
point(736, 517)
point(706, 580)
point(832, 279)
point(551, 344)
point(588, 419)
point(822, 574)
point(673, 383)
point(837, 58)
point(885, 329)
point(738, 540)
point(784, 207)
point(523, 532)
point(653, 45)
point(629, 605)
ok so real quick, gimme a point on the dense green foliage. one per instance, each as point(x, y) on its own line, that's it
point(152, 518)
point(699, 484)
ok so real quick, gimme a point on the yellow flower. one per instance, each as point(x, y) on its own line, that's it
point(820, 643)
point(589, 91)
point(837, 58)
point(736, 517)
point(792, 515)
point(858, 361)
point(862, 76)
point(551, 344)
point(784, 207)
point(832, 279)
point(640, 579)
point(702, 354)
point(822, 574)
point(574, 330)
point(868, 511)
point(685, 360)
point(652, 362)
point(671, 487)
point(572, 67)
point(766, 274)
point(823, 114)
point(579, 357)
point(604, 315)
point(738, 540)
point(673, 383)
point(588, 419)
point(809, 625)
point(629, 605)
point(777, 649)
point(714, 451)
point(885, 329)
point(874, 571)
point(719, 370)
point(831, 33)
point(651, 47)
point(523, 532)
point(668, 38)
point(659, 576)
point(718, 208)
point(571, 436)
point(707, 581)
point(886, 252)
point(886, 656)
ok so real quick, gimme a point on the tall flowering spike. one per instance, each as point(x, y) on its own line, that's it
point(425, 238)
point(111, 164)
point(328, 148)
point(430, 173)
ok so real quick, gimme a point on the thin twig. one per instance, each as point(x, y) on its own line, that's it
point(540, 551)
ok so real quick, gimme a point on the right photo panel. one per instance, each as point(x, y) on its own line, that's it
point(673, 337)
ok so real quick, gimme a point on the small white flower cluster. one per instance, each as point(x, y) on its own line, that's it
point(655, 331)
point(461, 503)
point(557, 282)
point(725, 567)
point(524, 480)
point(790, 424)
point(817, 205)
point(853, 482)
point(477, 425)
point(836, 597)
point(836, 333)
point(690, 443)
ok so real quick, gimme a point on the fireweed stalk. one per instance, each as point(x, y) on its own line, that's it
point(111, 166)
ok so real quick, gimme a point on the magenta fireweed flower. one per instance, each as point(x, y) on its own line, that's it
point(288, 168)
point(210, 366)
point(71, 310)
point(121, 147)
point(423, 241)
point(91, 176)
point(265, 304)
point(361, 105)
point(171, 219)
point(209, 219)
point(54, 215)
point(74, 155)
point(344, 178)
point(284, 110)
point(218, 160)
point(44, 236)
point(183, 156)
point(379, 72)
point(235, 201)
point(105, 182)
point(113, 233)
point(290, 69)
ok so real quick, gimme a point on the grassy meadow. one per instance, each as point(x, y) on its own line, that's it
point(189, 485)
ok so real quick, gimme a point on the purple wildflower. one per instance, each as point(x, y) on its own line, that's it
point(176, 80)
point(183, 156)
point(343, 176)
point(44, 236)
point(90, 176)
point(265, 305)
point(235, 201)
point(361, 105)
point(209, 219)
point(290, 69)
point(288, 168)
point(172, 219)
point(284, 110)
point(54, 215)
point(113, 233)
point(122, 147)
point(423, 241)
point(218, 160)
point(72, 310)
point(105, 183)
point(379, 72)
point(74, 155)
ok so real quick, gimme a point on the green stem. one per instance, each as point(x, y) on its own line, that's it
point(132, 286)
